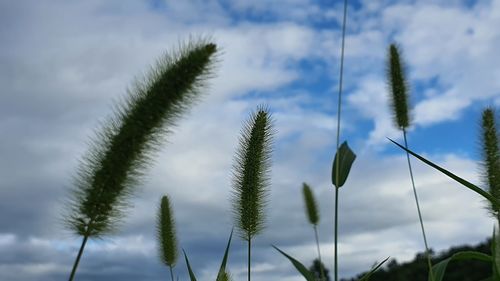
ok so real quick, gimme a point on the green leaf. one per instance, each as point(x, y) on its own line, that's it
point(366, 277)
point(191, 274)
point(222, 269)
point(345, 157)
point(299, 266)
point(453, 176)
point(440, 268)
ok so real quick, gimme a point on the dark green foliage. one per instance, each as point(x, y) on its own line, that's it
point(399, 88)
point(491, 156)
point(316, 269)
point(166, 233)
point(311, 205)
point(416, 270)
point(121, 151)
point(251, 174)
point(342, 164)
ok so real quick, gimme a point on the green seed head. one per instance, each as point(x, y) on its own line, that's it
point(491, 155)
point(398, 87)
point(166, 233)
point(251, 174)
point(310, 203)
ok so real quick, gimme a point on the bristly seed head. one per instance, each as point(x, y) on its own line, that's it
point(167, 239)
point(491, 155)
point(310, 204)
point(399, 88)
point(251, 174)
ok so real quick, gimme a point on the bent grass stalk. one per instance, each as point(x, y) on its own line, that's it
point(251, 177)
point(399, 100)
point(119, 154)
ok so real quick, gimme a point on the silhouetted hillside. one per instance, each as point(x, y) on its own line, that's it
point(416, 270)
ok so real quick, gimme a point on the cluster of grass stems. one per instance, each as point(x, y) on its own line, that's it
point(119, 154)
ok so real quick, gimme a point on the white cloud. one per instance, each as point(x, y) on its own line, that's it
point(79, 56)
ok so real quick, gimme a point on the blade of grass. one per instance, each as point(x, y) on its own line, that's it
point(190, 270)
point(367, 276)
point(222, 269)
point(460, 180)
point(298, 265)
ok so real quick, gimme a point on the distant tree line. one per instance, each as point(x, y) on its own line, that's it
point(416, 270)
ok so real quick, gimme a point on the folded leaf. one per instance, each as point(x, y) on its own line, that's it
point(345, 157)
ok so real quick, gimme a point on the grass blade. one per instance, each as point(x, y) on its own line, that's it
point(367, 276)
point(222, 269)
point(460, 180)
point(298, 265)
point(190, 270)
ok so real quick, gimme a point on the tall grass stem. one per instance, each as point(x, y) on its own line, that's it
point(427, 252)
point(339, 108)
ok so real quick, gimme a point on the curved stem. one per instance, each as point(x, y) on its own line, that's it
point(428, 254)
point(77, 261)
point(322, 272)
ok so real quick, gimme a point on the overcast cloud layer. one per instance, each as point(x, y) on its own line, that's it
point(64, 63)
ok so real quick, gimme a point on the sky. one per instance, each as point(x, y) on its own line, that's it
point(64, 64)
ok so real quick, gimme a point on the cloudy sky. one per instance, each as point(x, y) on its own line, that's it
point(63, 64)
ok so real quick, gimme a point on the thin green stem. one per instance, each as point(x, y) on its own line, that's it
point(171, 273)
point(428, 254)
point(322, 272)
point(249, 255)
point(77, 261)
point(336, 232)
point(339, 108)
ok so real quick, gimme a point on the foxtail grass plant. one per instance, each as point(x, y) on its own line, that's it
point(251, 177)
point(398, 86)
point(166, 235)
point(312, 212)
point(491, 157)
point(121, 151)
